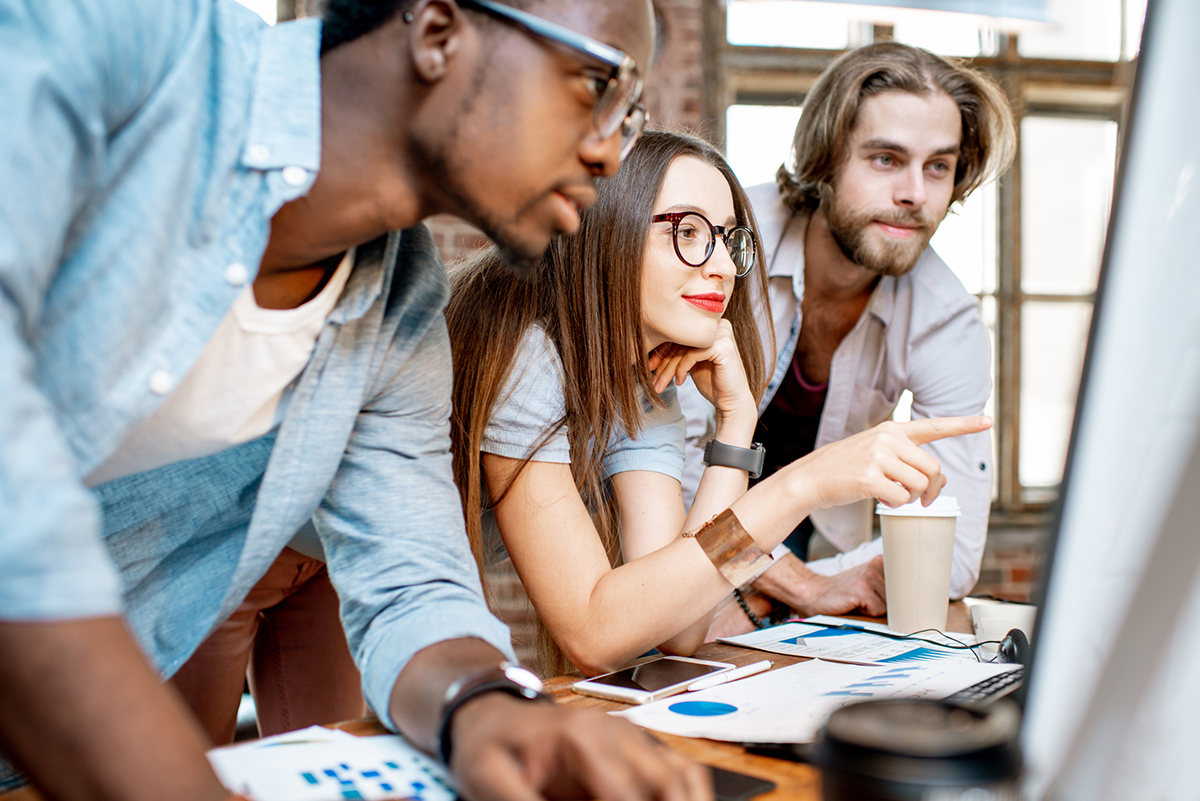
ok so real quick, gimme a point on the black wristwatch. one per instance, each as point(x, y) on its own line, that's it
point(749, 459)
point(504, 678)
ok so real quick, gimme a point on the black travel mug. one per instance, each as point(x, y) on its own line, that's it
point(920, 750)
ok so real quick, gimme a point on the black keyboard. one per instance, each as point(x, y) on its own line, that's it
point(997, 685)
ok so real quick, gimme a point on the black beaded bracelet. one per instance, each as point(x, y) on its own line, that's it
point(755, 619)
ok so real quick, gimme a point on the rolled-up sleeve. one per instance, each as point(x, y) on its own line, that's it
point(392, 528)
point(950, 376)
point(658, 447)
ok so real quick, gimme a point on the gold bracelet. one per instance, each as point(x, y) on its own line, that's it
point(731, 549)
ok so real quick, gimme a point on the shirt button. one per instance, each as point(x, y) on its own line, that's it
point(294, 176)
point(236, 274)
point(258, 154)
point(160, 382)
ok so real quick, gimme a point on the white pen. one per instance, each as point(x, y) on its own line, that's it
point(732, 675)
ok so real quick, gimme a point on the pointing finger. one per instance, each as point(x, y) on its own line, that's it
point(924, 431)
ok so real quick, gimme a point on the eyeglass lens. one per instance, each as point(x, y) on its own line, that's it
point(618, 109)
point(695, 239)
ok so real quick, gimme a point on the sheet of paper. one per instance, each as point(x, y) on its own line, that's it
point(858, 647)
point(789, 705)
point(319, 764)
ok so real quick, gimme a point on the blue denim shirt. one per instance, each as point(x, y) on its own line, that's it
point(146, 147)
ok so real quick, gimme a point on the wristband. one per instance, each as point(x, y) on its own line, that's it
point(749, 459)
point(731, 549)
point(505, 678)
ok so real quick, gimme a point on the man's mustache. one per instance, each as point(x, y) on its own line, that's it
point(912, 219)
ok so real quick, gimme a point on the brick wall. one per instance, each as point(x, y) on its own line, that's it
point(1012, 562)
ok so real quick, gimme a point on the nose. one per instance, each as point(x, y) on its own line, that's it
point(602, 155)
point(910, 187)
point(720, 265)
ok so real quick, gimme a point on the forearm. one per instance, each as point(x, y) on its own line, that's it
point(417, 697)
point(721, 486)
point(790, 581)
point(663, 599)
point(83, 688)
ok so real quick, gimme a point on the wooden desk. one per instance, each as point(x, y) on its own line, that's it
point(794, 781)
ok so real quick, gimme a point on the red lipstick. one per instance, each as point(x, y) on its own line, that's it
point(709, 301)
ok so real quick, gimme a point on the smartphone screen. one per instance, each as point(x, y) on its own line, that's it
point(656, 675)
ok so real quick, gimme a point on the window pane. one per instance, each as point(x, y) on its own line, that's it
point(789, 23)
point(264, 8)
point(1066, 188)
point(758, 139)
point(966, 240)
point(947, 34)
point(1135, 18)
point(1053, 337)
point(1080, 29)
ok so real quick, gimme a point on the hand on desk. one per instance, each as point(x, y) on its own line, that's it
point(810, 593)
point(519, 751)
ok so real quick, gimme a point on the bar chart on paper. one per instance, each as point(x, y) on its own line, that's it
point(816, 638)
point(319, 764)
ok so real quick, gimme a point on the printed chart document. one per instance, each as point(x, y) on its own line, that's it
point(856, 644)
point(319, 764)
point(791, 704)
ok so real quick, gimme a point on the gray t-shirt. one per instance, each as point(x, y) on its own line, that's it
point(532, 402)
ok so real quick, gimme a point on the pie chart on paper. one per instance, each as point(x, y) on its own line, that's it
point(702, 709)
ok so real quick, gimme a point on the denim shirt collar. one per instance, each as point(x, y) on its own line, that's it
point(283, 135)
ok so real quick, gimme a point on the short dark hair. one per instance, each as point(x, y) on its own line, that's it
point(831, 110)
point(346, 20)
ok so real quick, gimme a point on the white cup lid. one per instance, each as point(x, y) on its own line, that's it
point(942, 506)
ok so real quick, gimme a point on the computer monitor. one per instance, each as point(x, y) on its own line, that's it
point(1113, 707)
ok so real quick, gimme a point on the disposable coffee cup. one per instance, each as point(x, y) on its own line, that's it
point(918, 551)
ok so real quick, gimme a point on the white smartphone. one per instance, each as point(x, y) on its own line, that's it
point(651, 680)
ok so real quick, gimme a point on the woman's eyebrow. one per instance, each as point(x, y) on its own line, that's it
point(730, 221)
point(681, 207)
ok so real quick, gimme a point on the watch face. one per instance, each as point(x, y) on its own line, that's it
point(519, 675)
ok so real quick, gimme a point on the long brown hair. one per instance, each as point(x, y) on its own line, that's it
point(831, 110)
point(586, 294)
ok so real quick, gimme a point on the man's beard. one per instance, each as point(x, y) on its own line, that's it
point(879, 254)
point(518, 255)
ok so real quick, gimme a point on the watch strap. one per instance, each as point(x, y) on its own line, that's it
point(749, 459)
point(496, 679)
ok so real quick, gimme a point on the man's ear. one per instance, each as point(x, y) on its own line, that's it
point(435, 37)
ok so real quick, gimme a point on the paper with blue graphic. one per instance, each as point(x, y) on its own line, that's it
point(320, 764)
point(856, 645)
point(791, 704)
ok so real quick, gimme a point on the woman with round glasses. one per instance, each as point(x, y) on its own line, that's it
point(567, 431)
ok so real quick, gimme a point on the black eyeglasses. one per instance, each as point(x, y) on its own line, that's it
point(696, 239)
point(617, 106)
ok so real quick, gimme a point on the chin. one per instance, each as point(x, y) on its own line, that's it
point(699, 337)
